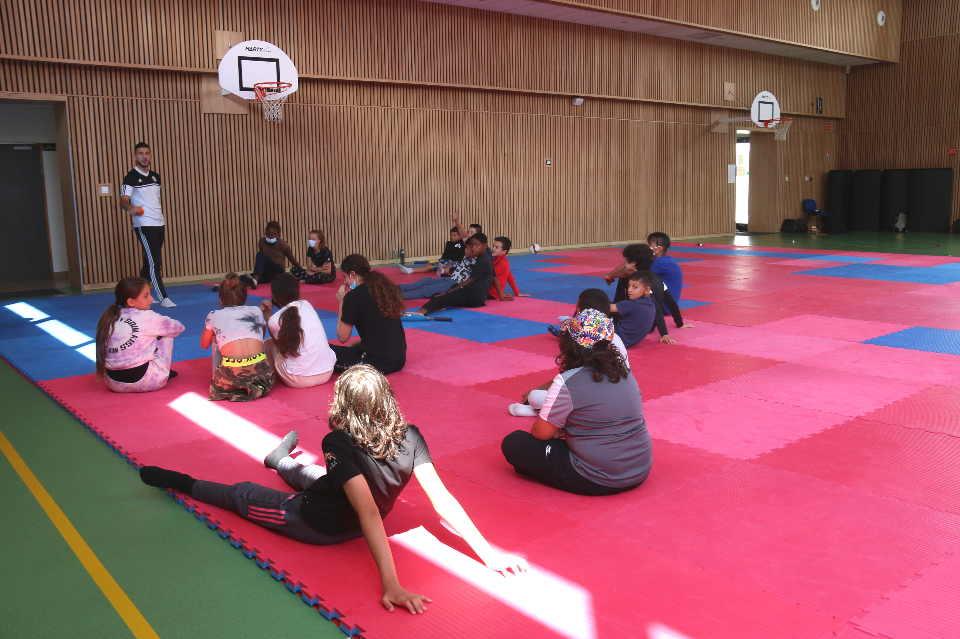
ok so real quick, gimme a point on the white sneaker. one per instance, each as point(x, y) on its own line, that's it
point(522, 410)
point(405, 270)
point(563, 318)
point(439, 269)
point(167, 303)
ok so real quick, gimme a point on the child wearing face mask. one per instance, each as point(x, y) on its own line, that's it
point(371, 303)
point(272, 256)
point(320, 268)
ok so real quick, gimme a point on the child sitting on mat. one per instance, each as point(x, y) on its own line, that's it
point(639, 257)
point(244, 374)
point(472, 292)
point(371, 454)
point(320, 268)
point(297, 350)
point(429, 286)
point(590, 438)
point(502, 274)
point(452, 255)
point(664, 265)
point(639, 312)
point(271, 258)
point(592, 298)
point(135, 344)
point(371, 303)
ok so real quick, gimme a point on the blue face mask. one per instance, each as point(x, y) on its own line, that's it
point(271, 240)
point(312, 243)
point(353, 285)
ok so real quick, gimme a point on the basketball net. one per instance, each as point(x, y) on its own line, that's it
point(272, 95)
point(780, 127)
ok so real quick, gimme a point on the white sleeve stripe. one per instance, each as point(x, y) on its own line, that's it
point(552, 394)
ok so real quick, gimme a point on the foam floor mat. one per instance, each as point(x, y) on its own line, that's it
point(805, 433)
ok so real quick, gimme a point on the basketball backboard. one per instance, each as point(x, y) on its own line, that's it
point(255, 61)
point(765, 107)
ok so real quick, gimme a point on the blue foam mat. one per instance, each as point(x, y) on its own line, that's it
point(940, 274)
point(922, 338)
point(475, 326)
point(777, 254)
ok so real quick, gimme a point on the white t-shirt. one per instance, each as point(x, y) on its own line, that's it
point(623, 349)
point(144, 191)
point(235, 322)
point(315, 356)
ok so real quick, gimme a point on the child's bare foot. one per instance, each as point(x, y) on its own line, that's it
point(687, 326)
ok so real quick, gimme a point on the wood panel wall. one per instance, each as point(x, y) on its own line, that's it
point(908, 115)
point(843, 26)
point(406, 111)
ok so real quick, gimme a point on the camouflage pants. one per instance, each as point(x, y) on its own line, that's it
point(320, 278)
point(242, 380)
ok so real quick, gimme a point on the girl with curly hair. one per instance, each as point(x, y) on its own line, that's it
point(590, 437)
point(371, 453)
point(372, 304)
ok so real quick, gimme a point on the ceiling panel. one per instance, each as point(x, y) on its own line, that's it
point(663, 29)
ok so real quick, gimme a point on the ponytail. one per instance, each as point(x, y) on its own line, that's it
point(127, 288)
point(285, 290)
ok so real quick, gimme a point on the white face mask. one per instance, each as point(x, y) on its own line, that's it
point(312, 243)
point(271, 240)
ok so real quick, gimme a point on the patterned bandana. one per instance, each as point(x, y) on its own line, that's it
point(589, 327)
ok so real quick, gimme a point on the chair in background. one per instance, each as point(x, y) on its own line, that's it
point(810, 206)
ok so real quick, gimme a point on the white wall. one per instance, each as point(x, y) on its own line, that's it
point(34, 124)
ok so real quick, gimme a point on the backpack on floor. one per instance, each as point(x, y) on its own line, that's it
point(793, 226)
point(901, 225)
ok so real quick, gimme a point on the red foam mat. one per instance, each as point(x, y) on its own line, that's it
point(810, 542)
point(880, 458)
point(803, 484)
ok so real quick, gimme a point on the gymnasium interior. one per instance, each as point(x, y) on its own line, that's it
point(805, 429)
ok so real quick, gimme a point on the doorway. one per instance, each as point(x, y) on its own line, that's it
point(24, 237)
point(38, 223)
point(743, 180)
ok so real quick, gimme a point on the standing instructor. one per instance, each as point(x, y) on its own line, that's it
point(140, 196)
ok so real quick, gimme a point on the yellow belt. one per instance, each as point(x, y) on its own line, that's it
point(246, 361)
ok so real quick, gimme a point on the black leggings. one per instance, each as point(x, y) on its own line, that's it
point(151, 239)
point(463, 297)
point(266, 269)
point(348, 356)
point(549, 461)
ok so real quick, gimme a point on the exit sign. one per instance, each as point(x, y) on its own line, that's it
point(952, 151)
point(826, 126)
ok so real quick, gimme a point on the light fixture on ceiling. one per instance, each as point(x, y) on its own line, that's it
point(576, 101)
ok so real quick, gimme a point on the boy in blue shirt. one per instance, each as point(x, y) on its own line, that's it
point(664, 265)
point(638, 312)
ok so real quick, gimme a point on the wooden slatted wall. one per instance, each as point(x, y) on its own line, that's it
point(369, 149)
point(843, 26)
point(908, 115)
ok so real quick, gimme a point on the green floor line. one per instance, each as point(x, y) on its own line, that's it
point(869, 242)
point(179, 574)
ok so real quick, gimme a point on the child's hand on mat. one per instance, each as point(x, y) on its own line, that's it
point(523, 398)
point(523, 294)
point(687, 326)
point(506, 564)
point(666, 339)
point(400, 596)
point(506, 298)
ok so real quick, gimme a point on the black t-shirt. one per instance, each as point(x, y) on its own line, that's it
point(325, 505)
point(482, 274)
point(321, 256)
point(453, 251)
point(382, 339)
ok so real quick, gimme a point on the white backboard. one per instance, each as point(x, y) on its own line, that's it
point(765, 107)
point(255, 61)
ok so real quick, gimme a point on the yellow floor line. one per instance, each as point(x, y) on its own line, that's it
point(117, 597)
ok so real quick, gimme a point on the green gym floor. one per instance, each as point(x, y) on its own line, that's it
point(165, 573)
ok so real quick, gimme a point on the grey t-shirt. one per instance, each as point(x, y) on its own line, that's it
point(606, 433)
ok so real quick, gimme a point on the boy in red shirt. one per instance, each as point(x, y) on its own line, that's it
point(501, 266)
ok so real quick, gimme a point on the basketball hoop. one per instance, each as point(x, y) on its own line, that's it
point(272, 95)
point(780, 127)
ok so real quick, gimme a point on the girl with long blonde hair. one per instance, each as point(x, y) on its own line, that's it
point(371, 454)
